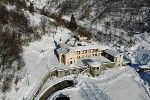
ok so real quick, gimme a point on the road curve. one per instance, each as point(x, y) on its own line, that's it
point(59, 86)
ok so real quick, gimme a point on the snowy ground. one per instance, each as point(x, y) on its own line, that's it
point(120, 83)
point(39, 58)
point(35, 18)
point(116, 84)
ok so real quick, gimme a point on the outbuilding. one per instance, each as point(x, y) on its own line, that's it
point(114, 56)
point(95, 68)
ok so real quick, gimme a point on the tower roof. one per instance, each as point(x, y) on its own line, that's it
point(94, 64)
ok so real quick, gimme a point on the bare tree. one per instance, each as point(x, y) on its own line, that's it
point(43, 24)
point(107, 26)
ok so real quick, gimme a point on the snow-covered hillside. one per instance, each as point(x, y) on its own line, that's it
point(115, 84)
point(103, 18)
point(39, 58)
point(121, 14)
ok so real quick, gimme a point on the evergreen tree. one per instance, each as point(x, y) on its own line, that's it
point(31, 8)
point(107, 26)
point(3, 14)
point(72, 24)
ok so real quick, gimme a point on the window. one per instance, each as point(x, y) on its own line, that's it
point(106, 55)
point(74, 72)
point(89, 51)
point(92, 50)
point(80, 70)
point(70, 62)
point(96, 50)
point(82, 56)
point(115, 59)
point(85, 51)
point(97, 68)
point(78, 52)
point(67, 73)
point(78, 57)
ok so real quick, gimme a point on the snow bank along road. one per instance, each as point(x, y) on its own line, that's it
point(59, 86)
point(48, 91)
point(51, 74)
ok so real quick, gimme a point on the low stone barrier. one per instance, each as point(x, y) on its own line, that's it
point(55, 73)
point(56, 87)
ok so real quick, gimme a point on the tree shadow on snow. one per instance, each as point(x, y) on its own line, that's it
point(55, 50)
point(93, 92)
point(143, 75)
point(86, 61)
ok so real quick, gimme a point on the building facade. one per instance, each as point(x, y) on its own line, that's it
point(75, 53)
point(114, 56)
point(70, 55)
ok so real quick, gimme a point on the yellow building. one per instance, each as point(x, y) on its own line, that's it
point(114, 56)
point(70, 55)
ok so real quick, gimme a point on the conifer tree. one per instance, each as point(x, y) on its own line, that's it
point(72, 24)
point(31, 8)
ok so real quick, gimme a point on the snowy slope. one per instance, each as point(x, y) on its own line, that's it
point(33, 19)
point(142, 55)
point(120, 83)
point(39, 58)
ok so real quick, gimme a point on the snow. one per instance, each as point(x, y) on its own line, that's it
point(142, 55)
point(62, 50)
point(144, 66)
point(87, 47)
point(66, 18)
point(10, 7)
point(52, 82)
point(146, 36)
point(39, 58)
point(115, 84)
point(37, 64)
point(39, 3)
point(94, 64)
point(34, 19)
point(112, 52)
point(140, 52)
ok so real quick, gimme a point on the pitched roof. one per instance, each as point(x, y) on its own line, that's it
point(112, 52)
point(87, 47)
point(63, 50)
point(94, 64)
